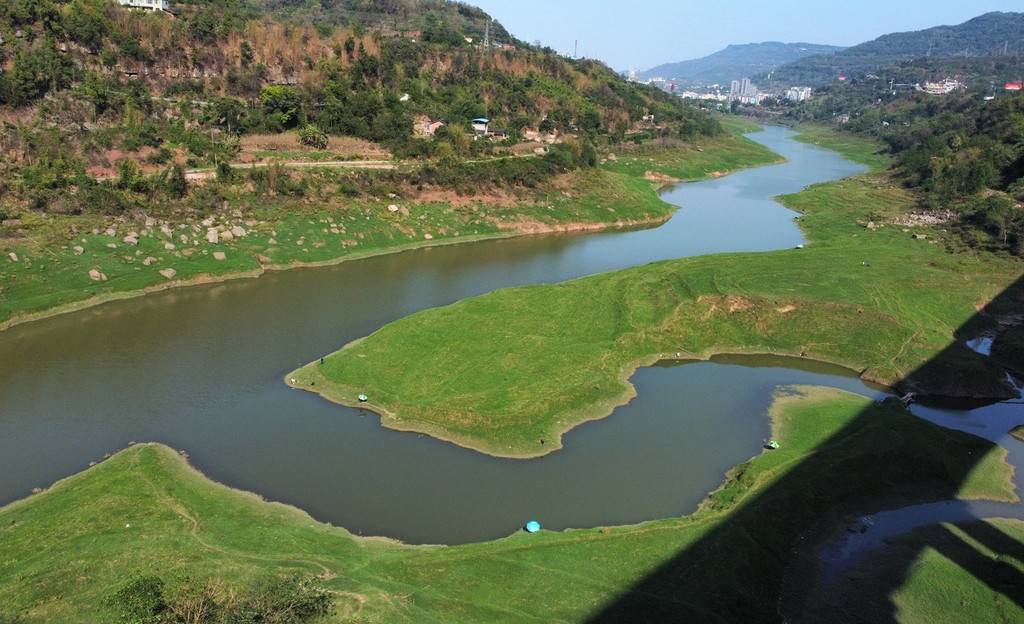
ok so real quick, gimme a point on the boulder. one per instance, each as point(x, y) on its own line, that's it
point(393, 208)
point(212, 236)
point(238, 231)
point(97, 276)
point(428, 236)
point(110, 232)
point(168, 273)
point(226, 236)
point(148, 261)
point(271, 241)
point(13, 256)
point(219, 255)
point(78, 249)
point(169, 246)
point(131, 239)
point(207, 222)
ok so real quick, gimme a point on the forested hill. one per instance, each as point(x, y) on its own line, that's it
point(736, 61)
point(270, 65)
point(991, 34)
point(389, 15)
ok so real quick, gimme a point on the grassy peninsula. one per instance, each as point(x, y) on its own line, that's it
point(507, 373)
point(145, 511)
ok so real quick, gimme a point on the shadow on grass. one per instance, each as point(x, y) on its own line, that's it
point(736, 571)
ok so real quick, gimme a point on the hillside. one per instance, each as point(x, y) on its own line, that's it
point(991, 34)
point(249, 127)
point(736, 61)
point(159, 90)
point(391, 15)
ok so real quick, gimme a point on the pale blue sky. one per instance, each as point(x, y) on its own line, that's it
point(641, 34)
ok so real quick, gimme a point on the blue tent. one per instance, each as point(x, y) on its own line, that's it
point(532, 526)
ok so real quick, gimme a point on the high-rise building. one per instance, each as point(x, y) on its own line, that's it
point(798, 94)
point(745, 91)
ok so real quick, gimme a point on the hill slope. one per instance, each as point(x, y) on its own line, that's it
point(393, 15)
point(737, 61)
point(990, 34)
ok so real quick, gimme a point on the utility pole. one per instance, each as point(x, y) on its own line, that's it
point(576, 49)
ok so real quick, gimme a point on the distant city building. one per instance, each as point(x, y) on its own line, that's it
point(744, 91)
point(798, 94)
point(146, 5)
point(944, 87)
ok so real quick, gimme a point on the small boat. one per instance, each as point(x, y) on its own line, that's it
point(532, 526)
point(363, 398)
point(771, 445)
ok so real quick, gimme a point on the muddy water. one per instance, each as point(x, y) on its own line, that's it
point(200, 369)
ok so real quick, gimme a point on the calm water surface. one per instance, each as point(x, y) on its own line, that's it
point(200, 369)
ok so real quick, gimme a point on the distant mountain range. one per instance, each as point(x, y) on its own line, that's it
point(991, 34)
point(736, 61)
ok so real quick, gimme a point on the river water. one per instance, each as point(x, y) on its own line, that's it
point(201, 369)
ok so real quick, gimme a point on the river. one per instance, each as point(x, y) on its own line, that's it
point(201, 369)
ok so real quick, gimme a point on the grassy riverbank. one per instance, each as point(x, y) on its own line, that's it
point(507, 373)
point(675, 160)
point(852, 146)
point(57, 263)
point(145, 511)
point(51, 265)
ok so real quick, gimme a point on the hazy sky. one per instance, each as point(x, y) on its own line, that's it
point(641, 34)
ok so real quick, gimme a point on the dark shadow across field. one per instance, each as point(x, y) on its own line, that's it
point(742, 570)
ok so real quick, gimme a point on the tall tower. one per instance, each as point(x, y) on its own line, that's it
point(487, 35)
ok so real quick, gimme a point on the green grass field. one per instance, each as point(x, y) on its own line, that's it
point(501, 372)
point(145, 511)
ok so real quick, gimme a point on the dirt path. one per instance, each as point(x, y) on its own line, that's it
point(206, 174)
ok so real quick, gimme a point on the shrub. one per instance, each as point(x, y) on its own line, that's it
point(293, 600)
point(313, 137)
point(141, 601)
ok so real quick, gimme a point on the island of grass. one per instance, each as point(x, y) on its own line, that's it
point(145, 512)
point(509, 372)
point(52, 263)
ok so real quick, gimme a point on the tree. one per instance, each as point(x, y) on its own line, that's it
point(176, 184)
point(282, 103)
